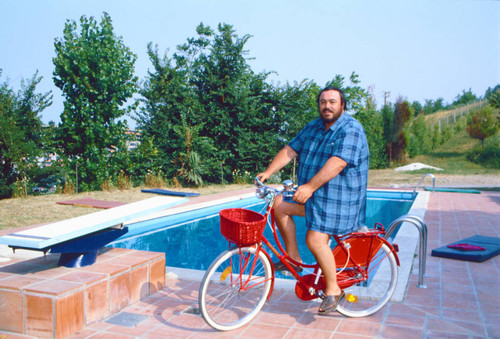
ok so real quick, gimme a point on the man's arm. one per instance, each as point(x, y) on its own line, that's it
point(281, 159)
point(330, 170)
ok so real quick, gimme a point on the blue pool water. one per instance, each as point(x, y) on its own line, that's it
point(192, 239)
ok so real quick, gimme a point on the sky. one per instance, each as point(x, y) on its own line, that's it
point(419, 50)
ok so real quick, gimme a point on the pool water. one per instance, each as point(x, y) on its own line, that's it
point(193, 240)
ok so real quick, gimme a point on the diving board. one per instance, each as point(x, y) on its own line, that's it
point(51, 236)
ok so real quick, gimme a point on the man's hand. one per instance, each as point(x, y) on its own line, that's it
point(261, 177)
point(303, 193)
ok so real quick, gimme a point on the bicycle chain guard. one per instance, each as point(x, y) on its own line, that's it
point(303, 291)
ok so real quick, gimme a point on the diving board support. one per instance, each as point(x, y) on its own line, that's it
point(80, 239)
point(422, 229)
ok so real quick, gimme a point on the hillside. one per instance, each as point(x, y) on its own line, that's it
point(455, 112)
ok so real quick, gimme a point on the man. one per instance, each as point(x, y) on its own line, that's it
point(332, 178)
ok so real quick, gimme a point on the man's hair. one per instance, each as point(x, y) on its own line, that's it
point(343, 102)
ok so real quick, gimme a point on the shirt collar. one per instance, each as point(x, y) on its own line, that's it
point(341, 121)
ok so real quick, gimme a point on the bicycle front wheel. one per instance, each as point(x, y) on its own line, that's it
point(235, 288)
point(368, 297)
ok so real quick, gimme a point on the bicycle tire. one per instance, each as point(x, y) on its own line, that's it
point(362, 301)
point(224, 303)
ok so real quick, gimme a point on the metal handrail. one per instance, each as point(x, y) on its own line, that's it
point(422, 228)
point(422, 179)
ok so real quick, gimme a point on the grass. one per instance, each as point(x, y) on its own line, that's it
point(451, 156)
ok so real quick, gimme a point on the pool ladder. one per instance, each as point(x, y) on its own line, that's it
point(433, 183)
point(422, 228)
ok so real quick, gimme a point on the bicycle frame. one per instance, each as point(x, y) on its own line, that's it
point(354, 267)
point(227, 304)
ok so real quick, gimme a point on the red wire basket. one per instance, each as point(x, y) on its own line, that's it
point(242, 226)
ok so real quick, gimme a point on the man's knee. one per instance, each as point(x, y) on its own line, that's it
point(316, 240)
point(278, 205)
point(287, 209)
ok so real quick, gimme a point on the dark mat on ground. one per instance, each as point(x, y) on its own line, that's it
point(91, 202)
point(167, 192)
point(491, 247)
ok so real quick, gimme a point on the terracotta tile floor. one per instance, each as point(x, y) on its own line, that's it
point(462, 299)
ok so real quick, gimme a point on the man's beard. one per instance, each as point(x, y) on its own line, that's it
point(334, 118)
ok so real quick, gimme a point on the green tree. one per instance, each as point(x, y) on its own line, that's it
point(295, 106)
point(483, 123)
point(238, 106)
point(420, 140)
point(208, 113)
point(493, 96)
point(372, 122)
point(465, 98)
point(21, 135)
point(166, 95)
point(428, 106)
point(417, 107)
point(355, 95)
point(95, 72)
point(439, 105)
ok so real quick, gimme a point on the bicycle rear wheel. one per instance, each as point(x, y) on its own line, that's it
point(235, 288)
point(366, 298)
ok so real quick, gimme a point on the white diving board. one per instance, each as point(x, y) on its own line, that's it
point(46, 236)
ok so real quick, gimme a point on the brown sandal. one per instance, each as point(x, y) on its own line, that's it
point(330, 303)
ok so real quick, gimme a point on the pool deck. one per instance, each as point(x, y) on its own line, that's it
point(462, 298)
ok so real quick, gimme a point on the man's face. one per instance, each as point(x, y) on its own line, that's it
point(330, 107)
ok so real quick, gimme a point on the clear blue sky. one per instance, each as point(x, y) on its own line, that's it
point(417, 49)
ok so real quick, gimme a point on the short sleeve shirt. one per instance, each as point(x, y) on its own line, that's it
point(338, 207)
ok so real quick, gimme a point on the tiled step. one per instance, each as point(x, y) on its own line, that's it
point(40, 299)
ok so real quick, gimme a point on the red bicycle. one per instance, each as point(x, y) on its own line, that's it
point(238, 282)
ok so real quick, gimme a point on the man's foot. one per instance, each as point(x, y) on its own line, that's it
point(330, 303)
point(279, 266)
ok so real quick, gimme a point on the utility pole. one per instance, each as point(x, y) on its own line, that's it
point(386, 97)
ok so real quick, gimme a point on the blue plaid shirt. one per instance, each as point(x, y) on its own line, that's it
point(337, 207)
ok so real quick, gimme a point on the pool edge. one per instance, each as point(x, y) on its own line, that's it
point(407, 239)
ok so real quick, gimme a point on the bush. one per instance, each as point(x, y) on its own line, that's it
point(123, 181)
point(107, 184)
point(487, 156)
point(242, 177)
point(19, 188)
point(154, 180)
point(483, 123)
point(69, 186)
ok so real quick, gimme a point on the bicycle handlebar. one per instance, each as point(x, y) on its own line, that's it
point(263, 191)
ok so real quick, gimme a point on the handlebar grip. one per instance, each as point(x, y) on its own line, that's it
point(259, 183)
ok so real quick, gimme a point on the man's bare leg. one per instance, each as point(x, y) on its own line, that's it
point(283, 212)
point(318, 245)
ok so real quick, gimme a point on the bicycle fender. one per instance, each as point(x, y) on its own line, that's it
point(358, 239)
point(393, 250)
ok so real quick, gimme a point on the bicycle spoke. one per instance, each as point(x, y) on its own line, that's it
point(234, 288)
point(368, 297)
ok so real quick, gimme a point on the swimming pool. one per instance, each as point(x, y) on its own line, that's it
point(192, 239)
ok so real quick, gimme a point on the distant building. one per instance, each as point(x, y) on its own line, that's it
point(47, 160)
point(133, 139)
